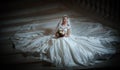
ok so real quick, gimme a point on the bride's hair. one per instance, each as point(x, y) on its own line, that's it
point(65, 16)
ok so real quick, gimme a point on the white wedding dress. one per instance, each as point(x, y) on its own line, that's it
point(74, 50)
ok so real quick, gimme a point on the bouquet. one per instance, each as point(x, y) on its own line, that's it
point(60, 33)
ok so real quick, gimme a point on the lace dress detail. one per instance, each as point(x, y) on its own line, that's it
point(64, 28)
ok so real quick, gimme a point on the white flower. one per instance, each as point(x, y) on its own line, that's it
point(61, 31)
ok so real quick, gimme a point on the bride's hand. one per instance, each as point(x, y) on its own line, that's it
point(66, 36)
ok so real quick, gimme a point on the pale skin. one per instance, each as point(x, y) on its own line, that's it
point(64, 23)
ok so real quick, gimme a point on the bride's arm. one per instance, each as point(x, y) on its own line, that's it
point(56, 34)
point(68, 33)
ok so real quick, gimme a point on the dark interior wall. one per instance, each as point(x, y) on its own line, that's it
point(8, 6)
point(109, 9)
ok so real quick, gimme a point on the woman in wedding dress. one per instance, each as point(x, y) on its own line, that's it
point(65, 49)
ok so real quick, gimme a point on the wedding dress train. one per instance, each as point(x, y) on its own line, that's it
point(65, 51)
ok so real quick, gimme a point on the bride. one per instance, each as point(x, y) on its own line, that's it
point(65, 49)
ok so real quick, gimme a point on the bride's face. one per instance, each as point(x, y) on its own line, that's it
point(65, 19)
